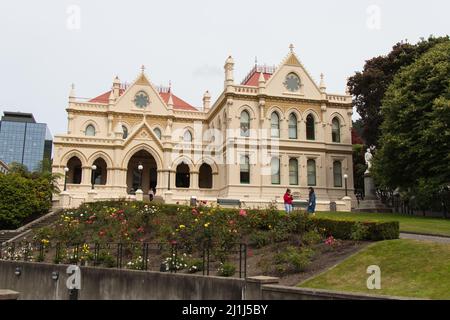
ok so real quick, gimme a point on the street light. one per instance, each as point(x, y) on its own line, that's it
point(140, 168)
point(94, 167)
point(65, 178)
point(168, 180)
point(345, 181)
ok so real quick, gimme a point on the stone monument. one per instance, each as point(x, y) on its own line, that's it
point(369, 185)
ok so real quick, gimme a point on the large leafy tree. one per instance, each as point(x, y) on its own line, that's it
point(415, 149)
point(369, 86)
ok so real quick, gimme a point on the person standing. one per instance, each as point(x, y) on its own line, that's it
point(288, 201)
point(312, 202)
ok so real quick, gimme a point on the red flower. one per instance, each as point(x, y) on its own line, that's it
point(250, 253)
point(140, 229)
point(101, 233)
point(231, 222)
point(242, 213)
point(194, 212)
point(173, 242)
point(120, 211)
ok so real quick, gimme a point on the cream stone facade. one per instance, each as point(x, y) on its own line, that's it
point(278, 129)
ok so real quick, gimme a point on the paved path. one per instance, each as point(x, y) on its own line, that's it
point(424, 237)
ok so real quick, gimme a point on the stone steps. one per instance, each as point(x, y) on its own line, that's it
point(42, 222)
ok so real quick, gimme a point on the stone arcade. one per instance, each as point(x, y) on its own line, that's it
point(278, 128)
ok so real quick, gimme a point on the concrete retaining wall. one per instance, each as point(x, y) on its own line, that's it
point(35, 282)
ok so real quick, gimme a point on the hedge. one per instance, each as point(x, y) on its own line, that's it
point(345, 230)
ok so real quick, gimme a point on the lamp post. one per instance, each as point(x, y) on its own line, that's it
point(168, 180)
point(345, 181)
point(140, 168)
point(65, 178)
point(94, 167)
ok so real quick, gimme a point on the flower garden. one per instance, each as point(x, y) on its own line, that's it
point(205, 238)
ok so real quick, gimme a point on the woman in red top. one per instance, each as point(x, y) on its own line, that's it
point(288, 201)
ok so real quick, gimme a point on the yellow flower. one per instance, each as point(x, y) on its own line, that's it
point(196, 220)
point(182, 226)
point(206, 225)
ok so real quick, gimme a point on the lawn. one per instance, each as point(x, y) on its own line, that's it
point(405, 270)
point(415, 224)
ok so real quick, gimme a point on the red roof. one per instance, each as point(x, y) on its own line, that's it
point(104, 98)
point(177, 102)
point(253, 80)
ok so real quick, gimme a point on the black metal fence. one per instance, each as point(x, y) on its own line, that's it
point(210, 258)
point(439, 206)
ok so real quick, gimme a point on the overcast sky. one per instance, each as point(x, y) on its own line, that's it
point(46, 45)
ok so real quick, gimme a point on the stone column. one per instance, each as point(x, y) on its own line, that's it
point(194, 180)
point(64, 199)
point(86, 178)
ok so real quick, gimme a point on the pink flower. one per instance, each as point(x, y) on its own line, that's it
point(194, 212)
point(140, 229)
point(231, 222)
point(242, 213)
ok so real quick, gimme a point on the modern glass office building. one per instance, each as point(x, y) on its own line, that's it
point(23, 140)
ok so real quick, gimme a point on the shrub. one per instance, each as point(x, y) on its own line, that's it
point(226, 269)
point(259, 238)
point(311, 237)
point(195, 265)
point(22, 198)
point(344, 229)
point(294, 259)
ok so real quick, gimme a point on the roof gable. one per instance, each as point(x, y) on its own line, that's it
point(291, 64)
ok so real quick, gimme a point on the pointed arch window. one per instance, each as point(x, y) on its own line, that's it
point(245, 124)
point(275, 125)
point(336, 130)
point(292, 126)
point(245, 169)
point(293, 171)
point(90, 131)
point(187, 137)
point(310, 127)
point(337, 173)
point(275, 170)
point(311, 167)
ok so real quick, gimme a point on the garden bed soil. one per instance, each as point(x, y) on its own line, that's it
point(324, 259)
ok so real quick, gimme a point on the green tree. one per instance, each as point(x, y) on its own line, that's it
point(369, 86)
point(415, 150)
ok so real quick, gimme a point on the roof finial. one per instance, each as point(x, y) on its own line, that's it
point(291, 47)
point(256, 61)
point(170, 85)
point(142, 68)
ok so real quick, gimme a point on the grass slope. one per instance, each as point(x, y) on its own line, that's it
point(409, 268)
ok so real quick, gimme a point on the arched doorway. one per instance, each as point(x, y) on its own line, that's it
point(100, 174)
point(183, 176)
point(205, 177)
point(147, 176)
point(75, 173)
